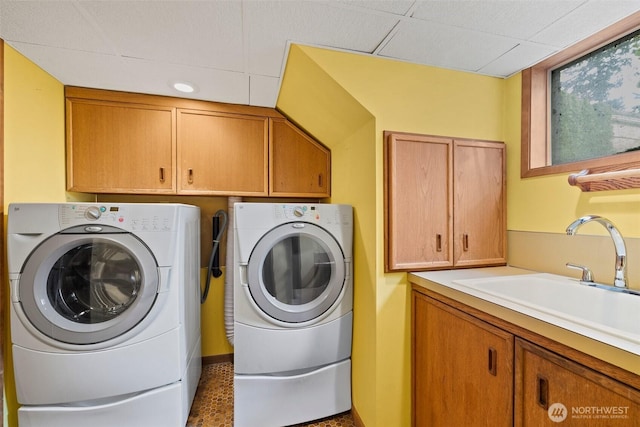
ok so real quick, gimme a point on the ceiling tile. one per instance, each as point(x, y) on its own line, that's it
point(523, 55)
point(134, 75)
point(444, 46)
point(270, 25)
point(212, 84)
point(263, 90)
point(586, 20)
point(47, 23)
point(207, 34)
point(397, 7)
point(88, 69)
point(519, 19)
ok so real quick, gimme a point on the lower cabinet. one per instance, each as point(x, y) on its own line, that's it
point(463, 368)
point(551, 389)
point(469, 372)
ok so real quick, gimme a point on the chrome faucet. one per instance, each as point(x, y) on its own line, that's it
point(620, 280)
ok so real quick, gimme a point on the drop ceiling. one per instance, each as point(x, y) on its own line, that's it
point(235, 50)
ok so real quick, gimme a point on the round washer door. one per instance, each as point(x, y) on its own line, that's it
point(296, 272)
point(88, 288)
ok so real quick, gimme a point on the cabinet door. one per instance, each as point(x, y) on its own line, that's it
point(479, 203)
point(462, 368)
point(418, 199)
point(300, 166)
point(222, 154)
point(552, 390)
point(120, 148)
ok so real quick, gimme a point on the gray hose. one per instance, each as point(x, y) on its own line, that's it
point(216, 246)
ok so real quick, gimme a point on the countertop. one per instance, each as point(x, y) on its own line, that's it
point(441, 282)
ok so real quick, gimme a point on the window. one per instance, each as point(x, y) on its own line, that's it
point(581, 107)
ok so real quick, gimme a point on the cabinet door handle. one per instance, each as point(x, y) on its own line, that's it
point(439, 242)
point(543, 392)
point(320, 181)
point(161, 174)
point(493, 361)
point(465, 242)
point(190, 176)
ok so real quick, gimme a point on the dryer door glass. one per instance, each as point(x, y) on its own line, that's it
point(296, 272)
point(87, 288)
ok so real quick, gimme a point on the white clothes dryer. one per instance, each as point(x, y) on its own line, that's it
point(293, 312)
point(105, 313)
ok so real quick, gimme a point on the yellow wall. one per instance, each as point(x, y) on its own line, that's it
point(331, 95)
point(324, 91)
point(34, 165)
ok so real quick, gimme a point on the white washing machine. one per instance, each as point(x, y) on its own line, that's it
point(105, 313)
point(293, 312)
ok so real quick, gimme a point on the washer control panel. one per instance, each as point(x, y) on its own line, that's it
point(148, 218)
point(93, 213)
point(73, 214)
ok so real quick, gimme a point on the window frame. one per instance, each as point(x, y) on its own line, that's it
point(535, 117)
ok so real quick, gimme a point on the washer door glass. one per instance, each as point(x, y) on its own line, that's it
point(296, 272)
point(83, 289)
point(94, 282)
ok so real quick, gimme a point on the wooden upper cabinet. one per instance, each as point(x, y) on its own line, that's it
point(222, 153)
point(120, 142)
point(300, 166)
point(444, 202)
point(419, 201)
point(120, 148)
point(479, 203)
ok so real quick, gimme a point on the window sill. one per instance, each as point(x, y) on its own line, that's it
point(612, 180)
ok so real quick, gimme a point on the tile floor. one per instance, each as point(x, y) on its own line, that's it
point(213, 404)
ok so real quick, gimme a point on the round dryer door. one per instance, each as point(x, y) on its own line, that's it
point(296, 272)
point(88, 288)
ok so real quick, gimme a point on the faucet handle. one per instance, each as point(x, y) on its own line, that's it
point(587, 274)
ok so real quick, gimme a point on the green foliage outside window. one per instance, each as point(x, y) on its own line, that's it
point(595, 103)
point(581, 130)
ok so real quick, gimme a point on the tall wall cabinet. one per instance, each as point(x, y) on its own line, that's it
point(121, 142)
point(444, 202)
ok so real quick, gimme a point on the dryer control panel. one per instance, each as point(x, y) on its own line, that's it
point(315, 213)
point(302, 212)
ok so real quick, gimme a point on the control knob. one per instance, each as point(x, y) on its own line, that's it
point(92, 213)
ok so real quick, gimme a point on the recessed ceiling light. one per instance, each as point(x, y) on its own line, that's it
point(184, 87)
